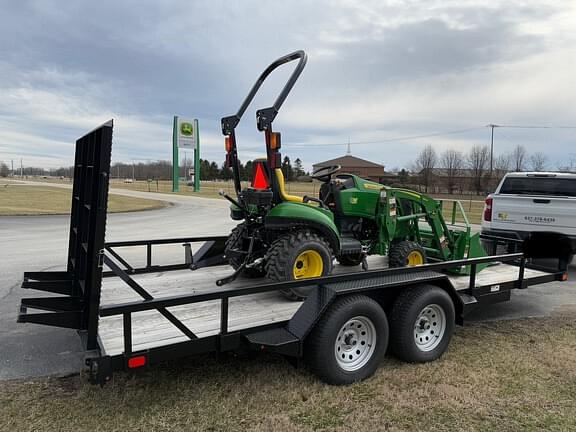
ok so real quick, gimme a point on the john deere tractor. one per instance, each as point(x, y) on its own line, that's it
point(287, 237)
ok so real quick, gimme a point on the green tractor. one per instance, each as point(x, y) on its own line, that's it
point(286, 237)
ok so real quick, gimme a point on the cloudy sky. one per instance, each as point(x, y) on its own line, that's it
point(388, 76)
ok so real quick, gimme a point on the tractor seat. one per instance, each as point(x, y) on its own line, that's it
point(328, 191)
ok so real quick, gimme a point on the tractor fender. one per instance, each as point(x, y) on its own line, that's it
point(288, 215)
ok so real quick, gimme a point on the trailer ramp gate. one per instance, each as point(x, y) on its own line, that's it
point(78, 288)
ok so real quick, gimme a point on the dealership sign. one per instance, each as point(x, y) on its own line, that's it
point(187, 133)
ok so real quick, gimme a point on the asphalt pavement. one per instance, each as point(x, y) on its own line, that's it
point(35, 243)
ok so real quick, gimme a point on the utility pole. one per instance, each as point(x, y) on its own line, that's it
point(492, 126)
point(21, 170)
point(132, 170)
point(12, 167)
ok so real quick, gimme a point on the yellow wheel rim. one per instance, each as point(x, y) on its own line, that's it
point(308, 264)
point(415, 258)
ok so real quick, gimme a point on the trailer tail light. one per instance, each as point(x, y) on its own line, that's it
point(136, 362)
point(488, 209)
point(260, 179)
point(564, 277)
point(228, 144)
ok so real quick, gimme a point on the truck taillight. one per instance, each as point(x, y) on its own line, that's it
point(488, 209)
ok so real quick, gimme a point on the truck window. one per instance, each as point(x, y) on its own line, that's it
point(539, 186)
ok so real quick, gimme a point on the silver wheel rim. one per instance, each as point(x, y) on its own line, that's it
point(355, 343)
point(429, 327)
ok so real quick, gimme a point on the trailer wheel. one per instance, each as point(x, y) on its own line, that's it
point(298, 255)
point(347, 344)
point(421, 324)
point(406, 253)
point(237, 241)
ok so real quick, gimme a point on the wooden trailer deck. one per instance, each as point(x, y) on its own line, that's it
point(151, 329)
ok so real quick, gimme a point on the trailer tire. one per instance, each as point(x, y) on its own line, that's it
point(283, 255)
point(421, 324)
point(348, 342)
point(236, 241)
point(406, 253)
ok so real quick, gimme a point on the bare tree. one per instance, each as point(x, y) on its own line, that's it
point(424, 165)
point(538, 161)
point(518, 158)
point(568, 165)
point(478, 159)
point(452, 161)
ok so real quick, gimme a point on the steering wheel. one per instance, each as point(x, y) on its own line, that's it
point(323, 174)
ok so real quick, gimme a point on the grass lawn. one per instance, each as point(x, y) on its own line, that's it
point(499, 376)
point(473, 205)
point(41, 200)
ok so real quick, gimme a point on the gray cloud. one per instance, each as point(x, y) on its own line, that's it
point(376, 70)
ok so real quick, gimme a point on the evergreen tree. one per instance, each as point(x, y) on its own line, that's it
point(287, 169)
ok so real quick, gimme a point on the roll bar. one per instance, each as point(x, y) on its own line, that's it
point(265, 116)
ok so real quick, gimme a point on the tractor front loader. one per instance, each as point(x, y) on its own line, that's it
point(286, 237)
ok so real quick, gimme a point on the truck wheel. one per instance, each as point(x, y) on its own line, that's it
point(298, 255)
point(348, 342)
point(350, 260)
point(237, 241)
point(421, 324)
point(406, 253)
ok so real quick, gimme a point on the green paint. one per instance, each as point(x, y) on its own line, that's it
point(290, 210)
point(175, 166)
point(196, 157)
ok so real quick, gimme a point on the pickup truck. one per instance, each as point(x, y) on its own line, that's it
point(535, 206)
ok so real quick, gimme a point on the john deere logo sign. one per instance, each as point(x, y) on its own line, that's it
point(186, 129)
point(187, 133)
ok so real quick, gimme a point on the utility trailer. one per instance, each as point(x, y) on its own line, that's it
point(130, 316)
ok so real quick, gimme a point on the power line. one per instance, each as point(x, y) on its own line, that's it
point(530, 126)
point(384, 140)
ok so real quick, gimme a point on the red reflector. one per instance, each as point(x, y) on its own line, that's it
point(136, 362)
point(260, 180)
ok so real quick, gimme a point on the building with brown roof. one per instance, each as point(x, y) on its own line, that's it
point(354, 165)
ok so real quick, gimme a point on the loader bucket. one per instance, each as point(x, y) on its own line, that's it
point(468, 246)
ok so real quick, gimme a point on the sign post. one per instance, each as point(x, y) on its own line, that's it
point(175, 165)
point(185, 134)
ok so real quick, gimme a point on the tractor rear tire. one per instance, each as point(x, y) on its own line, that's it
point(348, 342)
point(298, 255)
point(350, 260)
point(237, 241)
point(406, 253)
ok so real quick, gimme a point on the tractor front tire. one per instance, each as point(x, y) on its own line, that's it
point(298, 255)
point(406, 253)
point(236, 241)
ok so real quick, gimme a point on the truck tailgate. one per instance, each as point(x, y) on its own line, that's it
point(534, 213)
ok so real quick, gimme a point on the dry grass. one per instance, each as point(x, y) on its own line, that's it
point(17, 200)
point(473, 205)
point(505, 376)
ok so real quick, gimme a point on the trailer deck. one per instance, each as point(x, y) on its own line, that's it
point(150, 329)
